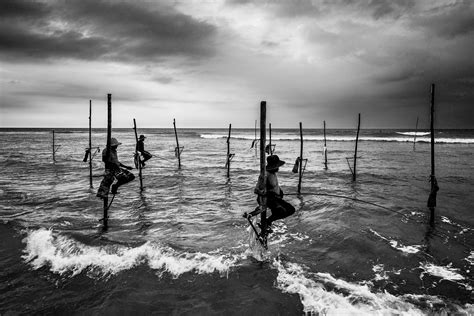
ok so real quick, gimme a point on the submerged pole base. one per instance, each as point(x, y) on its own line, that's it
point(432, 216)
point(262, 236)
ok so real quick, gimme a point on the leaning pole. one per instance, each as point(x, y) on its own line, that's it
point(263, 205)
point(109, 136)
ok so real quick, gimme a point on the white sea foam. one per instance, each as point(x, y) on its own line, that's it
point(66, 255)
point(397, 245)
point(414, 133)
point(443, 272)
point(299, 236)
point(470, 259)
point(294, 137)
point(380, 273)
point(255, 249)
point(348, 299)
point(444, 219)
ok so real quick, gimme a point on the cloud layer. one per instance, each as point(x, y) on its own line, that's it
point(311, 60)
point(90, 30)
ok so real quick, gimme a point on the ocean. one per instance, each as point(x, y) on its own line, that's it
point(182, 247)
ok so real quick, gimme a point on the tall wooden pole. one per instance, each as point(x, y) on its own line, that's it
point(109, 136)
point(255, 137)
point(432, 130)
point(263, 174)
point(138, 155)
point(416, 130)
point(178, 150)
point(54, 149)
point(300, 175)
point(90, 144)
point(270, 152)
point(355, 153)
point(434, 184)
point(270, 149)
point(228, 152)
point(325, 148)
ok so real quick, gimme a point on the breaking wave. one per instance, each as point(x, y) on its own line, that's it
point(348, 298)
point(413, 133)
point(64, 255)
point(290, 137)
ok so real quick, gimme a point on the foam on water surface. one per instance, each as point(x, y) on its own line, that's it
point(347, 298)
point(412, 249)
point(64, 255)
point(443, 272)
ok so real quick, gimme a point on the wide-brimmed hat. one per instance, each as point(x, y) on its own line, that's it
point(274, 162)
point(114, 142)
point(142, 137)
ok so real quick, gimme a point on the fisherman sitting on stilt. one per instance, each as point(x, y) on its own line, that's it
point(141, 149)
point(114, 169)
point(279, 207)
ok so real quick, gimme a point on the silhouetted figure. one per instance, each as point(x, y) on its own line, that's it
point(114, 169)
point(141, 149)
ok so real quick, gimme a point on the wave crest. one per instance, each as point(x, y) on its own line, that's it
point(65, 255)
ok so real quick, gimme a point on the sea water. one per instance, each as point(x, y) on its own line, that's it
point(181, 246)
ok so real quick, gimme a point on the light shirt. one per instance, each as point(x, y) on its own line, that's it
point(272, 183)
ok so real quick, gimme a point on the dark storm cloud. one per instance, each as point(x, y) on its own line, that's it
point(448, 21)
point(17, 41)
point(379, 8)
point(22, 9)
point(101, 29)
point(376, 8)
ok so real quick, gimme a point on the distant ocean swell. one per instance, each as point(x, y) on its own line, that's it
point(347, 138)
point(66, 256)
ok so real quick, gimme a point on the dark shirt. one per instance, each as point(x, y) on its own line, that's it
point(140, 146)
point(112, 163)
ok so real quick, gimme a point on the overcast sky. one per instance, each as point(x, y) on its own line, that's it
point(210, 63)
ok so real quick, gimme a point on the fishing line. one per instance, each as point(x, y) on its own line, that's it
point(439, 231)
point(349, 198)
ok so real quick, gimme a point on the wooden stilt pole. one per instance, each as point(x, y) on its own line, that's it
point(263, 175)
point(54, 149)
point(137, 155)
point(271, 147)
point(255, 137)
point(355, 153)
point(416, 130)
point(434, 182)
point(270, 150)
point(109, 136)
point(300, 173)
point(228, 152)
point(90, 144)
point(432, 131)
point(178, 149)
point(325, 148)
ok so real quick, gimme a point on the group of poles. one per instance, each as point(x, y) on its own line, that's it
point(299, 167)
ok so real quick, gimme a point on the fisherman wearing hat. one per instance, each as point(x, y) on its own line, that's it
point(141, 149)
point(114, 169)
point(279, 207)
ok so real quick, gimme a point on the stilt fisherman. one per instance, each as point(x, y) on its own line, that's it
point(114, 169)
point(279, 207)
point(141, 149)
